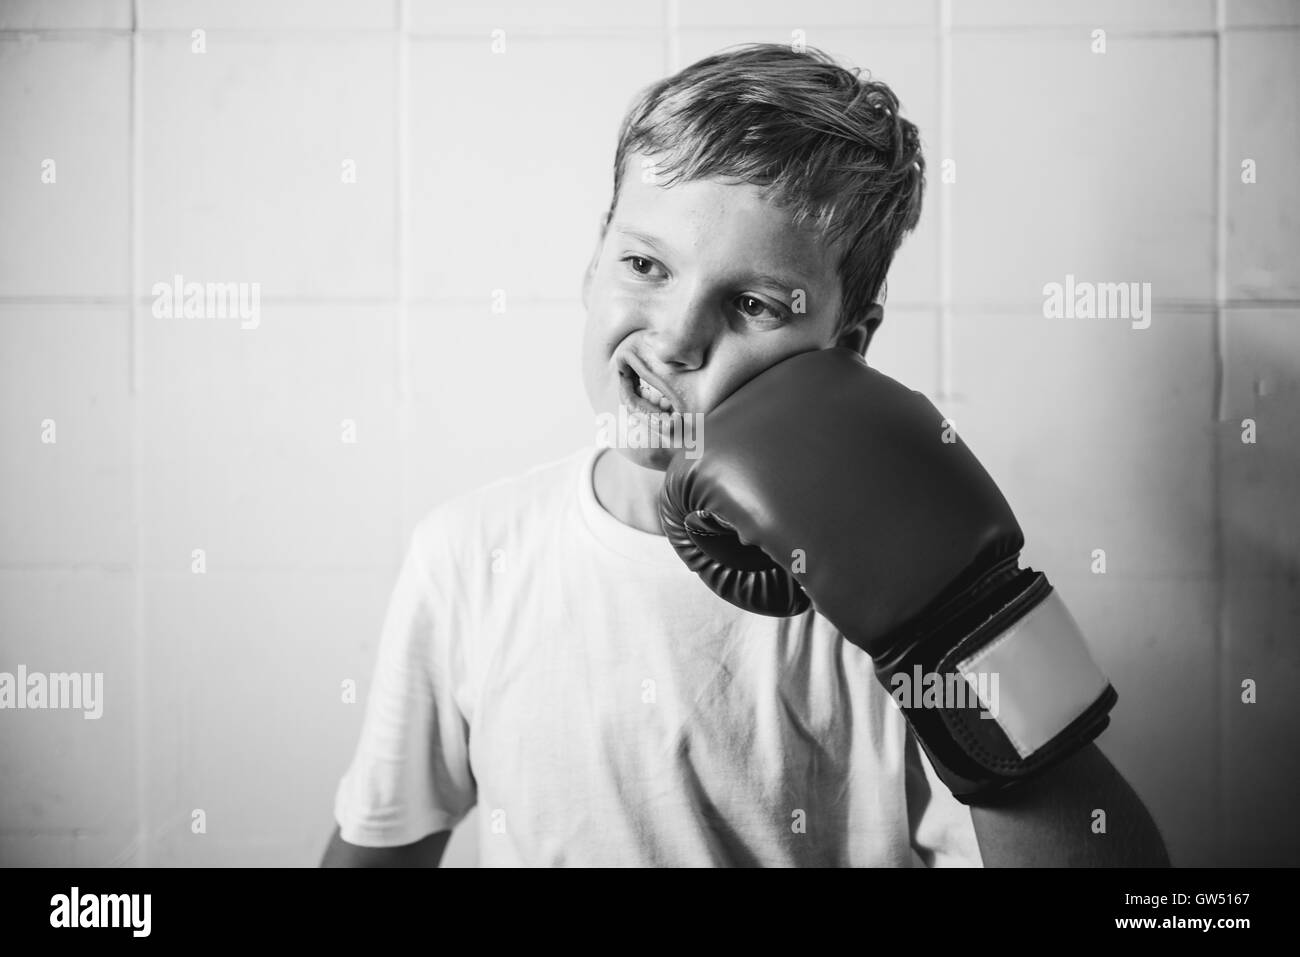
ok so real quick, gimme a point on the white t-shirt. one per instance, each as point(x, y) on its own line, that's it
point(573, 678)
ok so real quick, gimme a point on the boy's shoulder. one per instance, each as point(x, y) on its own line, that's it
point(503, 509)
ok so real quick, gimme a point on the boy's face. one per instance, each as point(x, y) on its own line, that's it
point(693, 289)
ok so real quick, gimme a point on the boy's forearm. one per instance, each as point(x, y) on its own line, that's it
point(1053, 821)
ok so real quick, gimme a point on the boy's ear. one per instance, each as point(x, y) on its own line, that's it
point(857, 336)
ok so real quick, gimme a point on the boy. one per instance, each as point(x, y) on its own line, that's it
point(547, 654)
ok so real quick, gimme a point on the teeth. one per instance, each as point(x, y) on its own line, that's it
point(650, 393)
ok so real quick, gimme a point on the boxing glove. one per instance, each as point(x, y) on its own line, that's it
point(824, 481)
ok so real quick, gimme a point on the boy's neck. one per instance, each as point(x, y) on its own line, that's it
point(627, 491)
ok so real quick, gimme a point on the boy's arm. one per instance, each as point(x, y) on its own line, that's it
point(1048, 822)
point(410, 771)
point(426, 852)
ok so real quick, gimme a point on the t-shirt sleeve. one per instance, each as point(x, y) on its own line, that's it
point(410, 775)
point(942, 832)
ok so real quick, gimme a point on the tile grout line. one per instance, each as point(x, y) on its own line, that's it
point(308, 33)
point(943, 343)
point(140, 716)
point(402, 407)
point(672, 35)
point(402, 177)
point(1220, 415)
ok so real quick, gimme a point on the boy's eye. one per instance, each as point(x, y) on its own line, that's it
point(754, 308)
point(639, 264)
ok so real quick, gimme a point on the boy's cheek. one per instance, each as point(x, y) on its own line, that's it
point(614, 320)
point(598, 376)
point(606, 329)
point(599, 339)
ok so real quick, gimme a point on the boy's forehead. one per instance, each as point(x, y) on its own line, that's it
point(719, 214)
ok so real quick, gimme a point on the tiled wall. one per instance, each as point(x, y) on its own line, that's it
point(477, 171)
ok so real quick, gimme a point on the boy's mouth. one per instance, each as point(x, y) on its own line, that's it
point(640, 394)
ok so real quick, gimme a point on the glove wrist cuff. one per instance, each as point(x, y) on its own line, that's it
point(1010, 685)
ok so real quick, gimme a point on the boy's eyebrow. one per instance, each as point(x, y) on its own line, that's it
point(637, 234)
point(785, 285)
point(765, 278)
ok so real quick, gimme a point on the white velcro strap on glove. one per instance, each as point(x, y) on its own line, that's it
point(1044, 674)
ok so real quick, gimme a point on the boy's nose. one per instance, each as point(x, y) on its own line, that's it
point(680, 337)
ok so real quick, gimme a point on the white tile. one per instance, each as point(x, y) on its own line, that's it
point(63, 771)
point(908, 64)
point(1261, 740)
point(243, 439)
point(247, 721)
point(493, 395)
point(1258, 481)
point(1262, 13)
point(200, 851)
point(27, 848)
point(905, 347)
point(1263, 126)
point(67, 102)
point(741, 14)
point(1094, 14)
point(69, 501)
point(441, 16)
point(243, 164)
point(512, 160)
point(1070, 162)
point(255, 15)
point(65, 15)
point(1099, 435)
point(67, 847)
